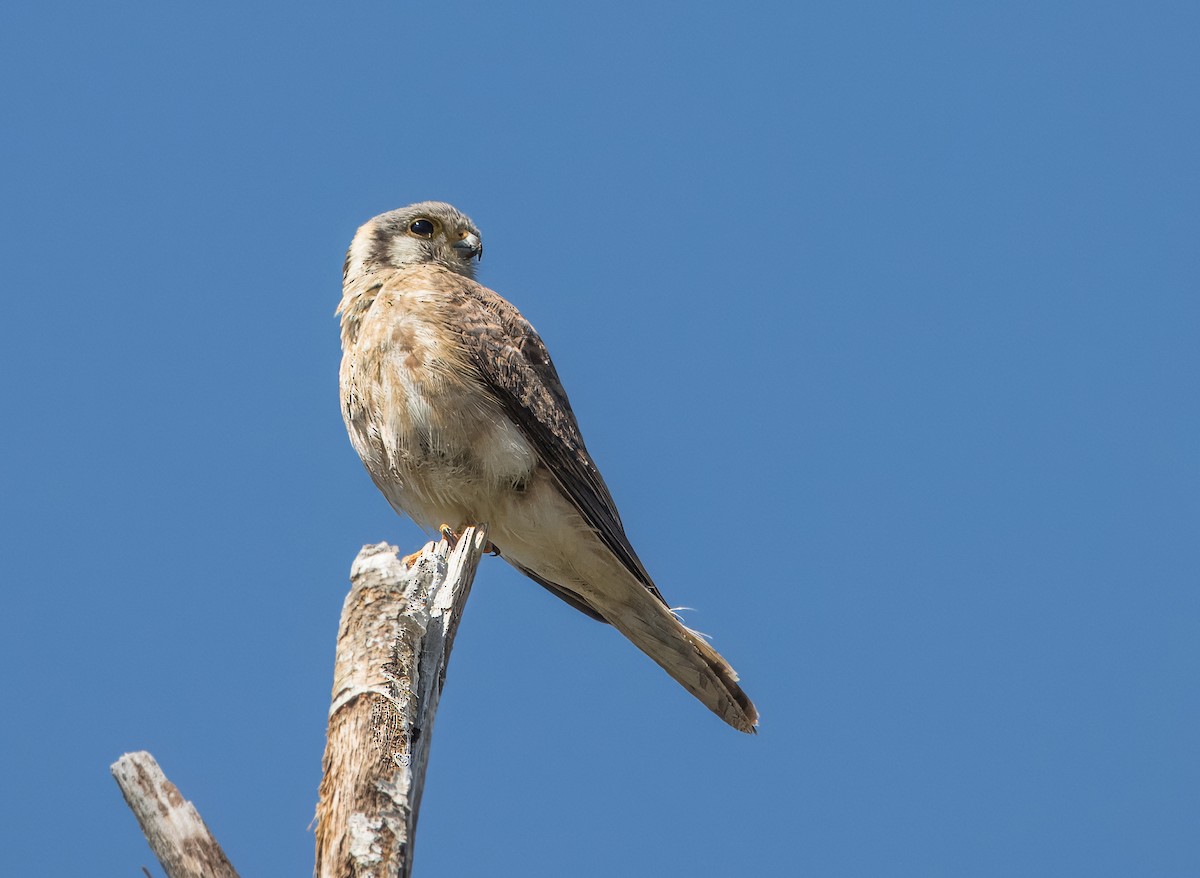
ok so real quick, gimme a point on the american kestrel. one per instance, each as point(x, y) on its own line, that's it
point(453, 405)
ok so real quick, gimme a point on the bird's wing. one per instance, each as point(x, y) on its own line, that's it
point(516, 368)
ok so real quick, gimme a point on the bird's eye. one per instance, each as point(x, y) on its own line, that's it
point(422, 228)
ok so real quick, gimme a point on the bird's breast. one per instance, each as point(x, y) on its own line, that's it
point(434, 438)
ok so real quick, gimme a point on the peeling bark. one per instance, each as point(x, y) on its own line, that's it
point(394, 641)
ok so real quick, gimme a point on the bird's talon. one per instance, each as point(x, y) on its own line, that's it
point(409, 560)
point(451, 538)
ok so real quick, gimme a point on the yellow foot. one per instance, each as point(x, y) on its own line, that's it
point(409, 560)
point(452, 539)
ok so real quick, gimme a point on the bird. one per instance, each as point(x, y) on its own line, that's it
point(458, 414)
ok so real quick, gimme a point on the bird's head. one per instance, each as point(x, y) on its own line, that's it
point(423, 233)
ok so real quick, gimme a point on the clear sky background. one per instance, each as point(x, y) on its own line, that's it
point(880, 319)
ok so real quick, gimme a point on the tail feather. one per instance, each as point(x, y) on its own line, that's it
point(688, 658)
point(745, 716)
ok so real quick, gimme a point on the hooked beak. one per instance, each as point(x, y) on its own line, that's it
point(469, 246)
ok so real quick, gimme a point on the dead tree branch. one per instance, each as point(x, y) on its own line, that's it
point(397, 629)
point(394, 641)
point(170, 823)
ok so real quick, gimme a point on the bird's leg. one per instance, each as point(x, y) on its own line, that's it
point(451, 539)
point(446, 532)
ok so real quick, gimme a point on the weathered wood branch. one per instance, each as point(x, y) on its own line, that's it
point(397, 629)
point(394, 642)
point(170, 823)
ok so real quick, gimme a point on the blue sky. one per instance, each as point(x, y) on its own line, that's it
point(880, 319)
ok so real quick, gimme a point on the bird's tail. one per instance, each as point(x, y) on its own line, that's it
point(687, 657)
